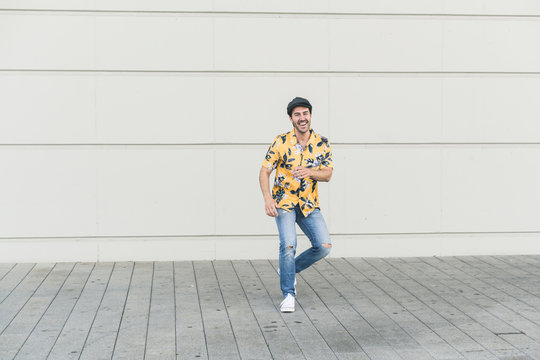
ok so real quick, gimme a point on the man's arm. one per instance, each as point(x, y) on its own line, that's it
point(270, 204)
point(324, 174)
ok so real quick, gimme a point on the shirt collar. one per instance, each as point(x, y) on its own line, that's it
point(311, 139)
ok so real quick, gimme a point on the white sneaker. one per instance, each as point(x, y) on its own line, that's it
point(287, 305)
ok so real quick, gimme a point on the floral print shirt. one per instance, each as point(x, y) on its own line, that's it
point(286, 153)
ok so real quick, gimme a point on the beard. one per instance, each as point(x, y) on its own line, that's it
point(302, 128)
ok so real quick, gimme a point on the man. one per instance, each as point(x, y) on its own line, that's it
point(301, 158)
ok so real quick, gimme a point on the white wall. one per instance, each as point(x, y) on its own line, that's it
point(134, 130)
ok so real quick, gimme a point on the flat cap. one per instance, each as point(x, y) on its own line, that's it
point(298, 101)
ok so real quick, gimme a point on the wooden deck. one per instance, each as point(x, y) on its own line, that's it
point(348, 308)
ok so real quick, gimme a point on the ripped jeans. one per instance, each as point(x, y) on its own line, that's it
point(315, 229)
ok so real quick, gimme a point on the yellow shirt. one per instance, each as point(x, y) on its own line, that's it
point(286, 153)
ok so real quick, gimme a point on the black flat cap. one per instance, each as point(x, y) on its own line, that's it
point(298, 101)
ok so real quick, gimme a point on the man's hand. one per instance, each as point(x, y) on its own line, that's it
point(271, 207)
point(301, 172)
point(323, 174)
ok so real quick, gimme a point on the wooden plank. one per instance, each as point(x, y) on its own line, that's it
point(41, 340)
point(418, 302)
point(442, 308)
point(433, 332)
point(514, 291)
point(467, 298)
point(485, 270)
point(14, 277)
point(5, 268)
point(190, 336)
point(461, 262)
point(14, 336)
point(458, 312)
point(161, 338)
point(491, 279)
point(219, 334)
point(454, 302)
point(247, 332)
point(342, 343)
point(308, 338)
point(501, 305)
point(372, 343)
point(131, 341)
point(527, 275)
point(103, 333)
point(523, 262)
point(525, 344)
point(502, 266)
point(530, 264)
point(338, 337)
point(397, 311)
point(22, 293)
point(534, 257)
point(508, 305)
point(281, 343)
point(484, 310)
point(70, 343)
point(366, 301)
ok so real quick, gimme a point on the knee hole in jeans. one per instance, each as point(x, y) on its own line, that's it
point(327, 245)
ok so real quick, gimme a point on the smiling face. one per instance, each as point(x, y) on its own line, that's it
point(301, 119)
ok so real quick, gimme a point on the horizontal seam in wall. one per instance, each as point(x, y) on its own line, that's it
point(275, 13)
point(214, 145)
point(276, 72)
point(118, 237)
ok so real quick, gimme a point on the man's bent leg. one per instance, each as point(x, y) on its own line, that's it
point(315, 229)
point(286, 223)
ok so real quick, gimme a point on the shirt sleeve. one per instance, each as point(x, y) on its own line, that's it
point(327, 161)
point(272, 156)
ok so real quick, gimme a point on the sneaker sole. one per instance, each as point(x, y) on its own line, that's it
point(287, 310)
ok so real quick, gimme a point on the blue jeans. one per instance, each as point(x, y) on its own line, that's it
point(315, 229)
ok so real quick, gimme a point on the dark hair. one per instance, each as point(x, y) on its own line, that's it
point(298, 101)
